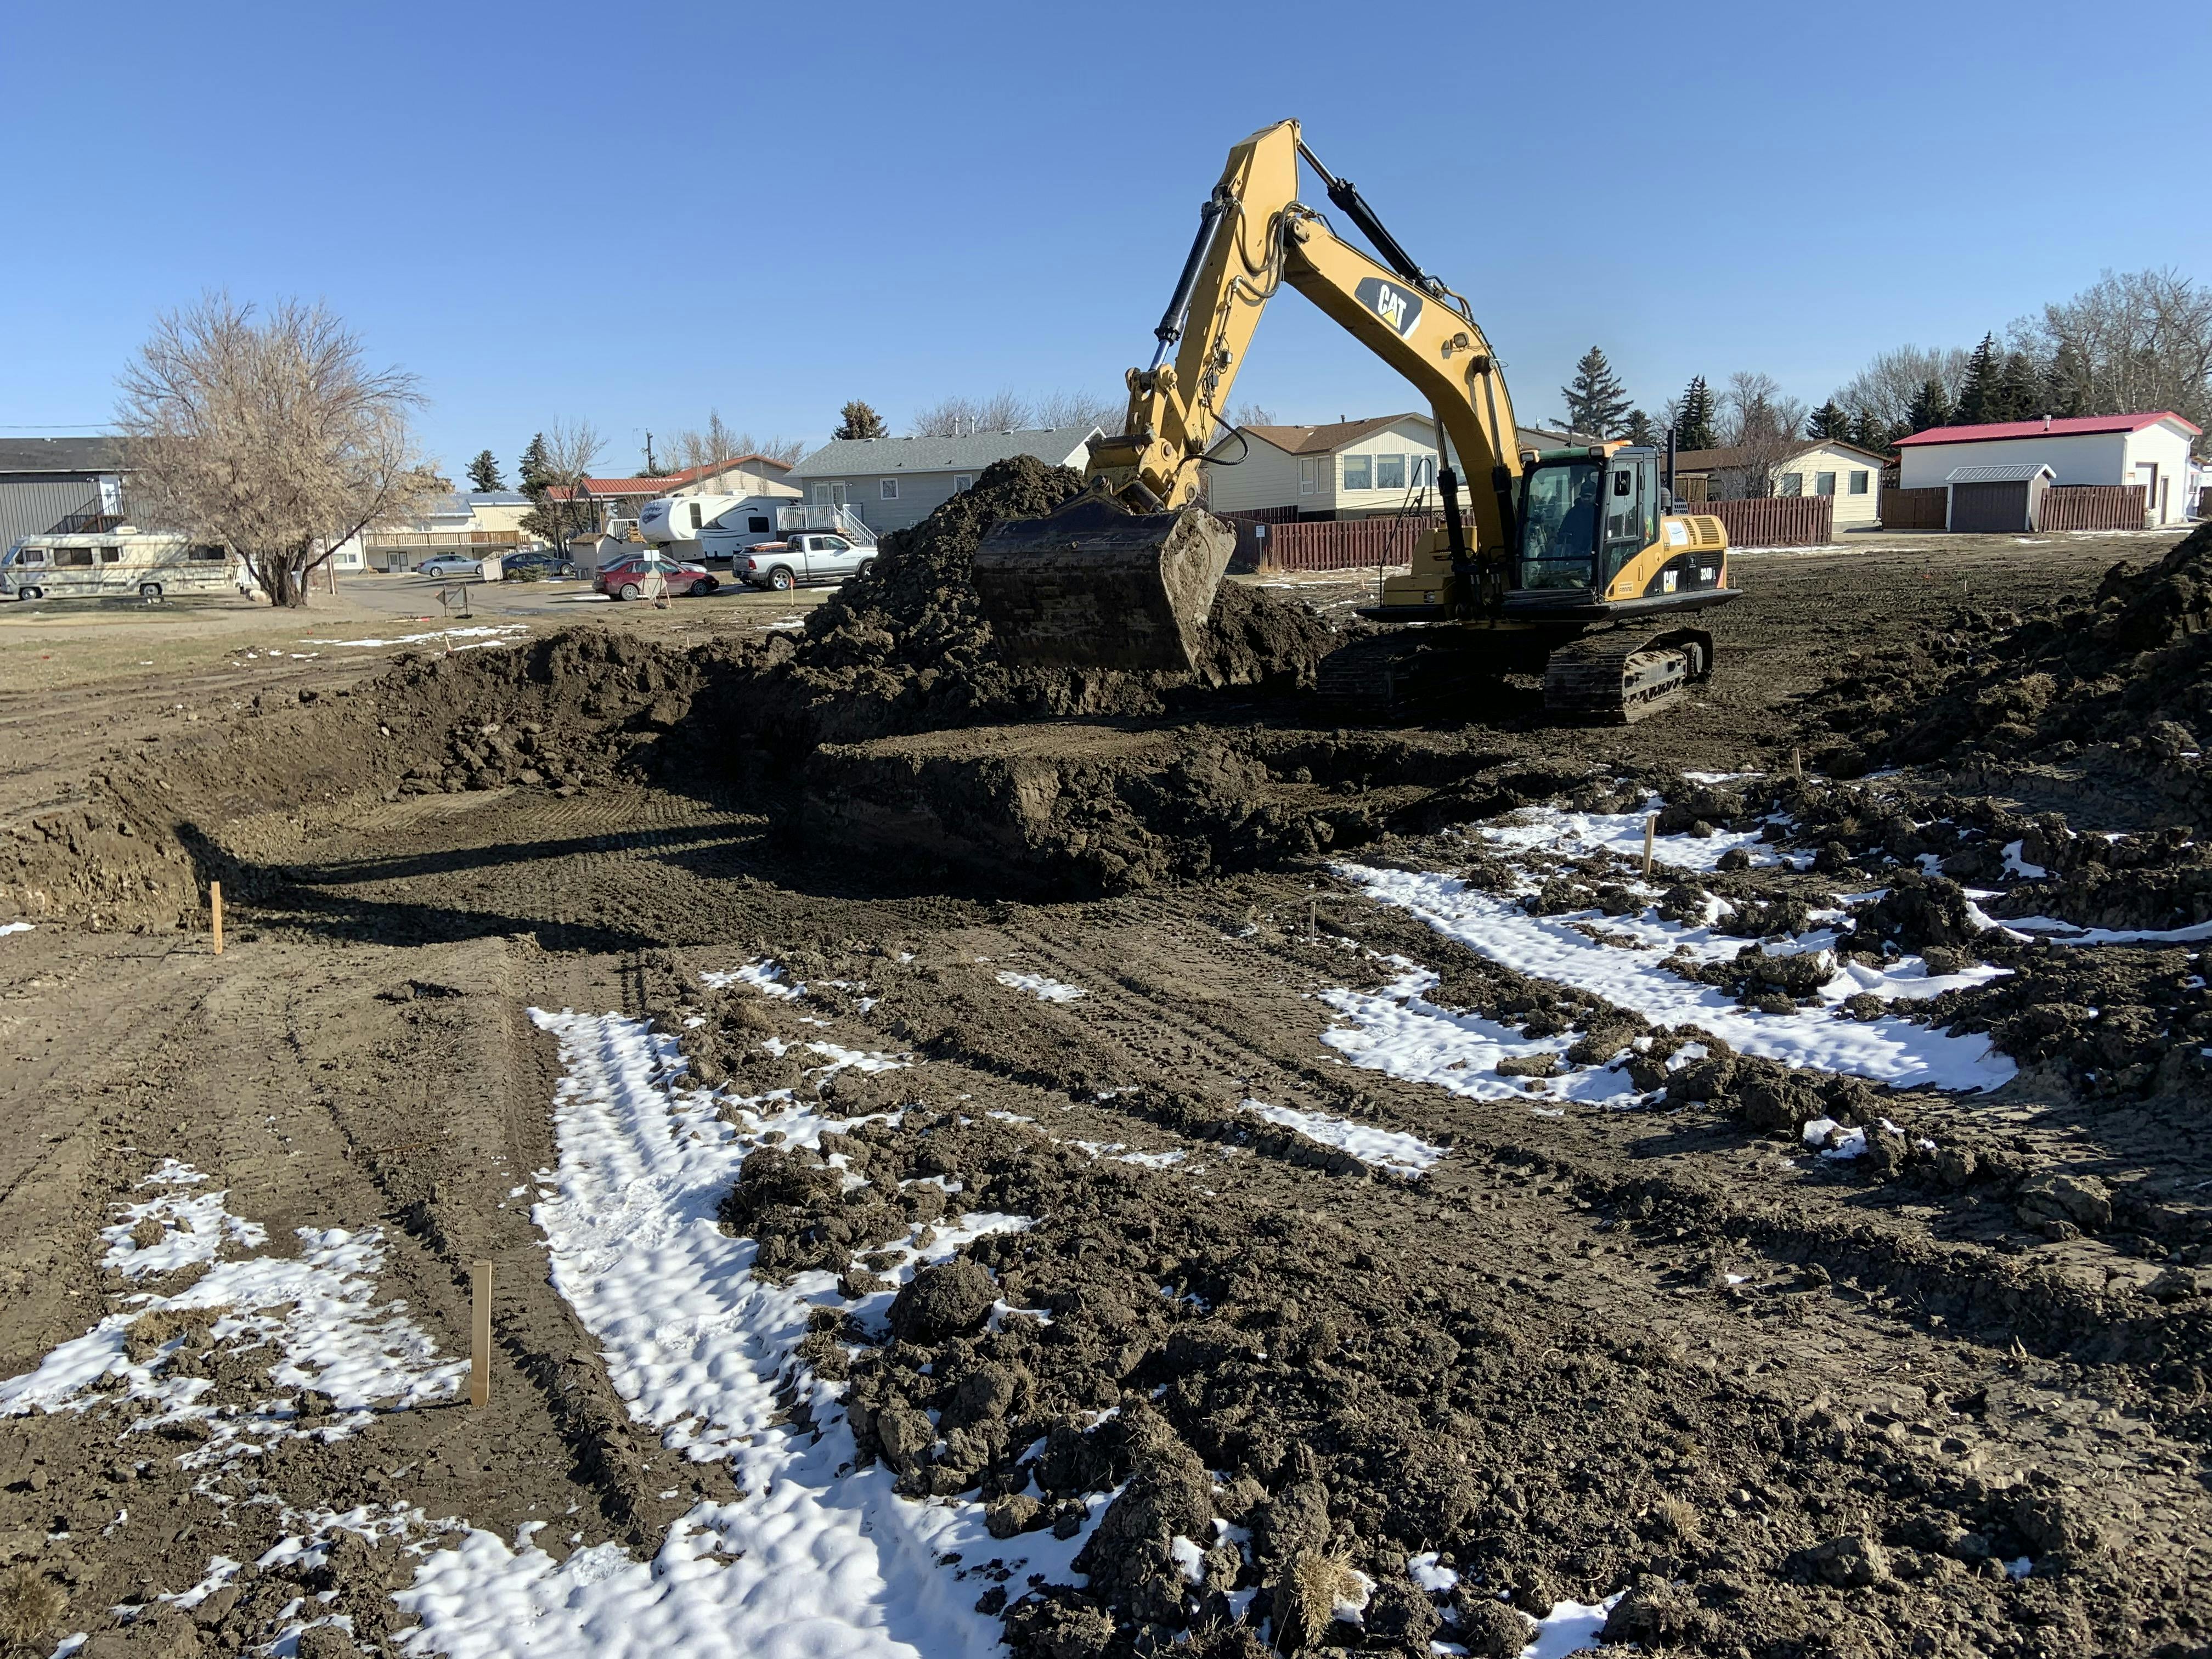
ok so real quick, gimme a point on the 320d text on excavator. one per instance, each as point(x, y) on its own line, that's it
point(1574, 560)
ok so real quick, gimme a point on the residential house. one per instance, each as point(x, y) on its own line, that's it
point(52, 486)
point(1347, 469)
point(893, 482)
point(739, 475)
point(2147, 449)
point(1824, 466)
point(480, 524)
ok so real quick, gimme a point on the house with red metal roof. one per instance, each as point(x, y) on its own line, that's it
point(2150, 450)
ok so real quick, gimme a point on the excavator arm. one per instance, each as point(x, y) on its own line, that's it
point(1254, 235)
point(1129, 583)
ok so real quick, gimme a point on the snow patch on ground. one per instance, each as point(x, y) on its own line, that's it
point(764, 974)
point(306, 1322)
point(1626, 968)
point(7, 928)
point(1563, 833)
point(190, 1229)
point(1379, 1149)
point(1043, 989)
point(501, 635)
point(818, 1559)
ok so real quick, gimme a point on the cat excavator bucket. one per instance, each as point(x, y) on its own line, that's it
point(1094, 585)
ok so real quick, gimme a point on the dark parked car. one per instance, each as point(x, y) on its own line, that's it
point(631, 577)
point(546, 564)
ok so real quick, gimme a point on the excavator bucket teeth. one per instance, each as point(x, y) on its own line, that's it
point(1092, 587)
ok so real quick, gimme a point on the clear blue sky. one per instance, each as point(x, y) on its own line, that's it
point(632, 212)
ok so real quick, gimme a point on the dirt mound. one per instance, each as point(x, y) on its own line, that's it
point(905, 647)
point(564, 713)
point(2131, 669)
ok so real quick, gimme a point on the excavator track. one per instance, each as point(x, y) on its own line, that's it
point(1618, 678)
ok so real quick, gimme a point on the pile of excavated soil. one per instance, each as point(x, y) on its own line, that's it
point(905, 647)
point(565, 712)
point(2130, 669)
point(1236, 1373)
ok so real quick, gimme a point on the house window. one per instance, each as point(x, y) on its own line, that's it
point(1823, 484)
point(1310, 476)
point(1424, 472)
point(1389, 471)
point(1859, 483)
point(1793, 483)
point(963, 481)
point(1359, 472)
point(887, 490)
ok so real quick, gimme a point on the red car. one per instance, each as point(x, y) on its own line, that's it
point(631, 577)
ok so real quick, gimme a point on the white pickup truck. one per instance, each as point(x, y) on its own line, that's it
point(802, 556)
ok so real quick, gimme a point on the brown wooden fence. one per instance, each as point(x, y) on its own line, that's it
point(1915, 509)
point(1775, 521)
point(2093, 507)
point(1345, 544)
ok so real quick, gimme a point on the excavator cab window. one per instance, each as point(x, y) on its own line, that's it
point(1561, 507)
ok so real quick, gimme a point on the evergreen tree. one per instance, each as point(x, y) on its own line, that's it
point(857, 420)
point(1638, 430)
point(1597, 400)
point(2019, 394)
point(483, 473)
point(1830, 420)
point(1980, 397)
point(530, 471)
point(1931, 407)
point(2066, 382)
point(1870, 432)
point(1693, 425)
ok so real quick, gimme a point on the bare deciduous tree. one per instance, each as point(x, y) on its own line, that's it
point(718, 442)
point(571, 449)
point(1002, 412)
point(2133, 343)
point(268, 434)
point(1252, 414)
point(1765, 424)
point(1886, 389)
point(1082, 410)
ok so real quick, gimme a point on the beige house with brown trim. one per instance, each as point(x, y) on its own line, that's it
point(1822, 467)
point(1345, 470)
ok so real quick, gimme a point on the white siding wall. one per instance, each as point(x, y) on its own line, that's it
point(1410, 438)
point(2167, 448)
point(1266, 478)
point(2091, 458)
point(1850, 510)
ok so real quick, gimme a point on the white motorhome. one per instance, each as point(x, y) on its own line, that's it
point(119, 563)
point(675, 518)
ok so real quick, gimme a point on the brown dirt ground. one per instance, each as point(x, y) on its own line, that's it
point(1534, 1361)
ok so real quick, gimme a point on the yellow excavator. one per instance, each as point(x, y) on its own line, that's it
point(1570, 558)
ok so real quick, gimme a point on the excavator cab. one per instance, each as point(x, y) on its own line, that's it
point(1585, 516)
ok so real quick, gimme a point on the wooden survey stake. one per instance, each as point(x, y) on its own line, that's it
point(1650, 828)
point(480, 1335)
point(215, 910)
